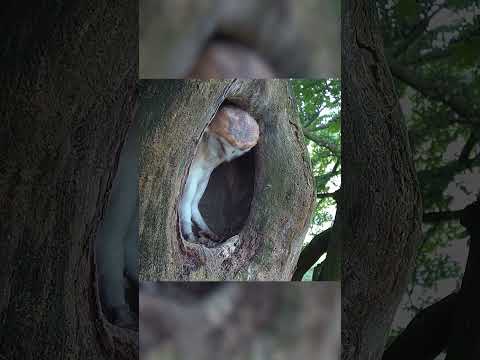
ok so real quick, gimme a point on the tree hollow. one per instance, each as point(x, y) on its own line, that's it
point(226, 201)
point(260, 203)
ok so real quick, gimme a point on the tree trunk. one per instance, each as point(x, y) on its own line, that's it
point(380, 211)
point(64, 119)
point(240, 321)
point(263, 201)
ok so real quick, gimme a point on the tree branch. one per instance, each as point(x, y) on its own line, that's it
point(310, 120)
point(311, 253)
point(437, 91)
point(434, 217)
point(417, 31)
point(325, 125)
point(335, 166)
point(442, 53)
point(427, 334)
point(323, 179)
point(467, 149)
point(319, 141)
point(434, 55)
point(443, 175)
point(333, 195)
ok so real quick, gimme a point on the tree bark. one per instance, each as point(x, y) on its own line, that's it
point(240, 321)
point(64, 119)
point(380, 210)
point(276, 174)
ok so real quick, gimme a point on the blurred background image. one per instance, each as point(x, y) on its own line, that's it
point(246, 39)
point(232, 320)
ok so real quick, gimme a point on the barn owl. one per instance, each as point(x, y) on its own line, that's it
point(231, 133)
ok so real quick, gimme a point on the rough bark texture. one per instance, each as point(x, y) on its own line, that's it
point(380, 210)
point(240, 321)
point(174, 114)
point(67, 100)
point(173, 34)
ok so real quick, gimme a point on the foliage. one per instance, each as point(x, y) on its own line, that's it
point(318, 103)
point(433, 48)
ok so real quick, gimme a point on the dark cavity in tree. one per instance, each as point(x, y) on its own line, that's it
point(225, 205)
